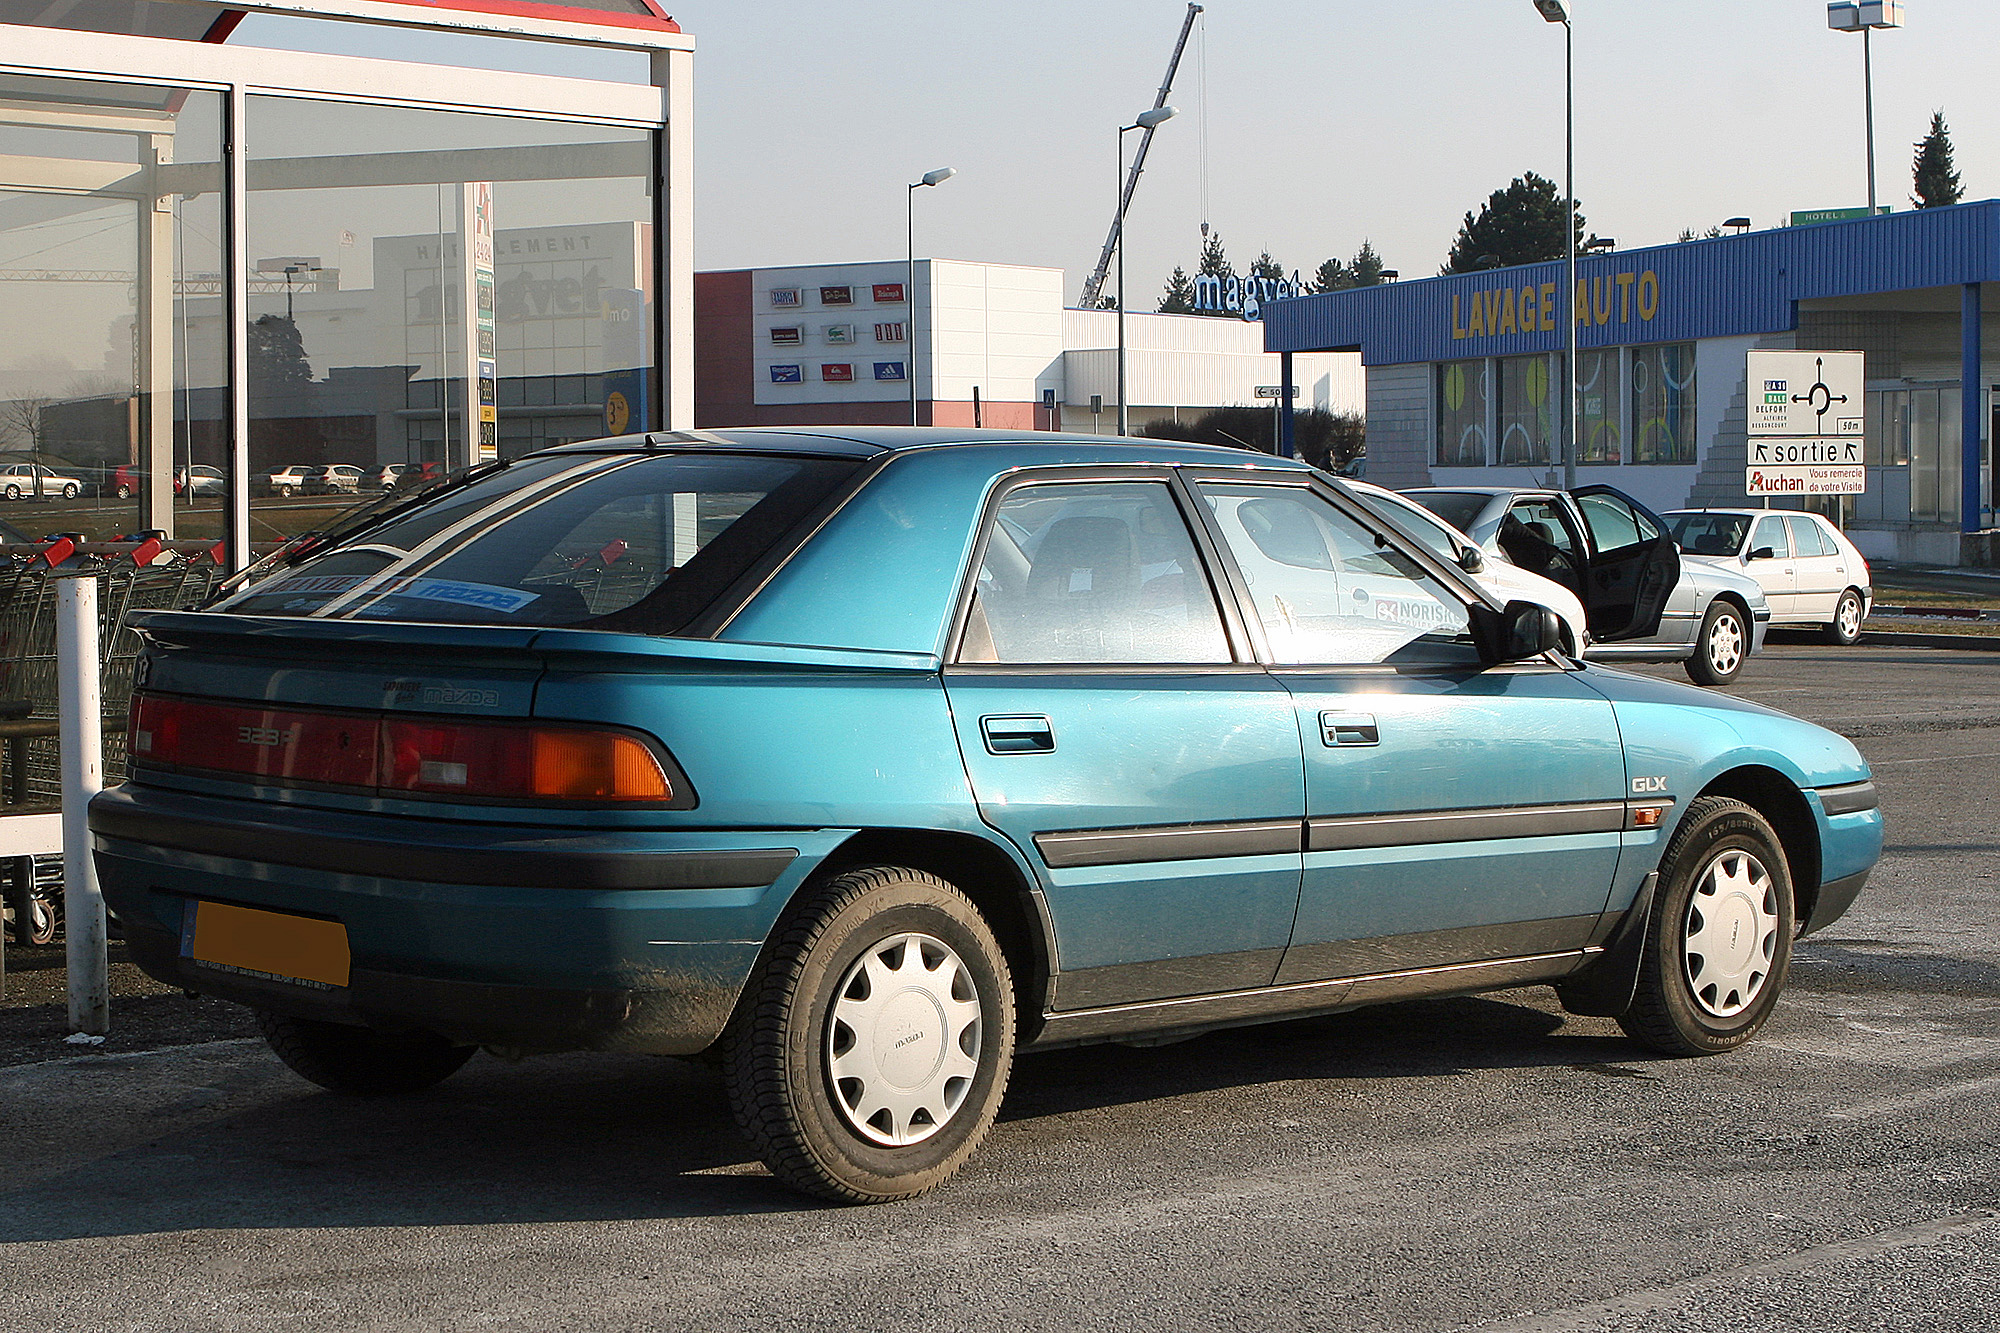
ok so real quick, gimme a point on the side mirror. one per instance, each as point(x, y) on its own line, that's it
point(1471, 560)
point(1764, 553)
point(1521, 631)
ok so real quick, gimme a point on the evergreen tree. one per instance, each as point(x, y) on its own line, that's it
point(1366, 270)
point(1214, 263)
point(1522, 224)
point(1179, 297)
point(1267, 267)
point(1936, 176)
point(1332, 276)
point(277, 356)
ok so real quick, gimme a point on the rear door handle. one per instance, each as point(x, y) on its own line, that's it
point(1348, 729)
point(1030, 734)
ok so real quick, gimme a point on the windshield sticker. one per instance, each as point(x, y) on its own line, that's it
point(493, 598)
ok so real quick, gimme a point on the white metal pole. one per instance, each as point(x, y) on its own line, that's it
point(1574, 431)
point(82, 743)
point(1124, 420)
point(1868, 100)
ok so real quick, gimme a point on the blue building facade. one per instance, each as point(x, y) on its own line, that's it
point(1466, 373)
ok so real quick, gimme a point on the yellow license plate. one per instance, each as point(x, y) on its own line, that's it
point(273, 945)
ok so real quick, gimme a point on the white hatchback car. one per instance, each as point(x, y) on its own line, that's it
point(1492, 570)
point(1811, 574)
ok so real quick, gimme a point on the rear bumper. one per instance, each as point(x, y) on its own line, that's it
point(537, 938)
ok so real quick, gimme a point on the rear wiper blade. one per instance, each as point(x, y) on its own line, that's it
point(356, 521)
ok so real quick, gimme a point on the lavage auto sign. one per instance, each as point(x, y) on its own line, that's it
point(1616, 298)
point(1243, 296)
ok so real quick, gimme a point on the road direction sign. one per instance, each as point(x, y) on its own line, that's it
point(1806, 393)
point(1779, 450)
point(1275, 391)
point(1805, 480)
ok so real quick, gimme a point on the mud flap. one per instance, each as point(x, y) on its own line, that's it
point(1605, 988)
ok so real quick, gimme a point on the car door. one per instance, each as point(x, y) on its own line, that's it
point(1117, 729)
point(1455, 812)
point(1768, 559)
point(1821, 567)
point(1634, 566)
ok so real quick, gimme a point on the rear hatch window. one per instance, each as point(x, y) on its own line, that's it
point(637, 543)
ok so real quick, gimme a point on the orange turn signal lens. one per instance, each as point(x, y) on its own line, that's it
point(595, 765)
point(1646, 816)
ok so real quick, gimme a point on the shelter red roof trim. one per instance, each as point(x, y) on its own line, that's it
point(656, 19)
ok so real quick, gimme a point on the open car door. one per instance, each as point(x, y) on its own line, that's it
point(1633, 568)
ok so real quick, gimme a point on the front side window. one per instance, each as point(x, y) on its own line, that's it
point(1771, 534)
point(1614, 524)
point(1103, 573)
point(643, 544)
point(1327, 591)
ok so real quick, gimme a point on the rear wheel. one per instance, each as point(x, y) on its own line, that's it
point(1845, 628)
point(1722, 647)
point(358, 1060)
point(876, 1038)
point(1720, 941)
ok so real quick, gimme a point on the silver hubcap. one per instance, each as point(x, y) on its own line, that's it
point(1732, 933)
point(1725, 644)
point(1850, 617)
point(903, 1039)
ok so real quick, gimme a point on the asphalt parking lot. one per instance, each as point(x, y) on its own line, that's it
point(1484, 1162)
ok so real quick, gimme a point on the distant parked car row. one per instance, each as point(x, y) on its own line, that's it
point(28, 481)
point(341, 478)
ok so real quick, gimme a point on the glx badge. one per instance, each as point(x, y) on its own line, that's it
point(1642, 785)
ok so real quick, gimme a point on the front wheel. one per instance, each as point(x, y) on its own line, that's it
point(875, 1040)
point(12, 492)
point(360, 1061)
point(1845, 628)
point(71, 491)
point(285, 491)
point(123, 492)
point(1721, 937)
point(1722, 647)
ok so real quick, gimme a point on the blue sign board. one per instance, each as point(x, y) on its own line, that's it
point(787, 375)
point(889, 370)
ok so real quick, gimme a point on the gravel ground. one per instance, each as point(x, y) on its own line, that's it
point(34, 1011)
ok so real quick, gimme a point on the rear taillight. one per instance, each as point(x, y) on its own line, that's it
point(513, 761)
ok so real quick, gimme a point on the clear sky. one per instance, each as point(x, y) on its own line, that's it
point(1324, 122)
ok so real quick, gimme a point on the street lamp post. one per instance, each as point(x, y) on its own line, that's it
point(938, 177)
point(1146, 121)
point(1557, 11)
point(1864, 18)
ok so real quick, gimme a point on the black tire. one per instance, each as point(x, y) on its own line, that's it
point(285, 491)
point(1845, 627)
point(1708, 881)
point(781, 1056)
point(360, 1061)
point(1723, 646)
point(12, 492)
point(71, 491)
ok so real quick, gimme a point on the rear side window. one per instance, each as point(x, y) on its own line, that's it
point(643, 544)
point(1808, 539)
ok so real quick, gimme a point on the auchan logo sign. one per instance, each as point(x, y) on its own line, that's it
point(1616, 298)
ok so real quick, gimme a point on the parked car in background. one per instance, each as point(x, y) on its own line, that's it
point(1493, 571)
point(383, 478)
point(903, 756)
point(127, 478)
point(284, 481)
point(1643, 603)
point(200, 479)
point(19, 481)
point(1810, 572)
point(334, 479)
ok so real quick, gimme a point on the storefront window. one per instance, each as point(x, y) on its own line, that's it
point(112, 363)
point(1663, 403)
point(1461, 414)
point(1597, 418)
point(1934, 454)
point(369, 226)
point(1527, 410)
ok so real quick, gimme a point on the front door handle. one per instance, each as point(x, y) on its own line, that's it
point(1029, 734)
point(1349, 729)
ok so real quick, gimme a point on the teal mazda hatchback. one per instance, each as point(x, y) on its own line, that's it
point(855, 760)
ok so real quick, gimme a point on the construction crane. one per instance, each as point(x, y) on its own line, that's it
point(1093, 286)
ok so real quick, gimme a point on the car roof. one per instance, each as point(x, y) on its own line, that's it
point(1747, 513)
point(874, 441)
